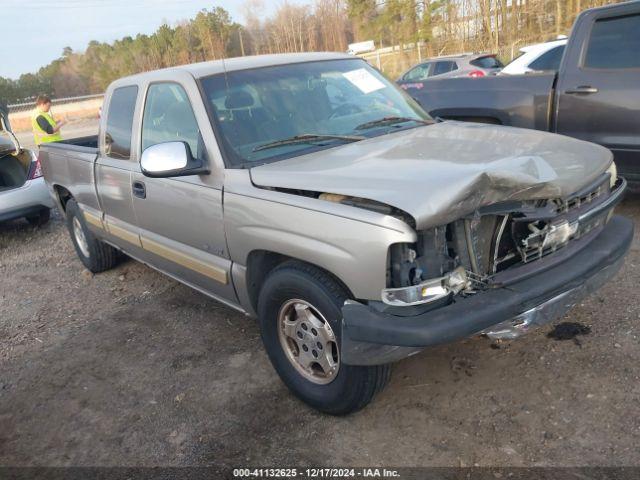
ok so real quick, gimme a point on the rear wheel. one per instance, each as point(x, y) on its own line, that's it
point(300, 315)
point(96, 255)
point(41, 218)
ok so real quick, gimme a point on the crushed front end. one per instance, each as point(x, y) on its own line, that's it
point(500, 271)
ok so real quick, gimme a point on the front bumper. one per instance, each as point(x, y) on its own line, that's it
point(26, 200)
point(371, 337)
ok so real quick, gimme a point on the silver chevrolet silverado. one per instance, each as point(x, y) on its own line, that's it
point(309, 191)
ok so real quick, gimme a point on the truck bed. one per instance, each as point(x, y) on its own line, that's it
point(81, 144)
point(72, 162)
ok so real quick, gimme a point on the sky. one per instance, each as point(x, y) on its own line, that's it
point(34, 32)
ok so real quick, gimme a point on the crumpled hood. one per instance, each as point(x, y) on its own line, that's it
point(442, 172)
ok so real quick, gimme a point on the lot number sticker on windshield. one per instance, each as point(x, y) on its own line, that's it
point(363, 79)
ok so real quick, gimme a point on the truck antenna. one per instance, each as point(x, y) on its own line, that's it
point(224, 67)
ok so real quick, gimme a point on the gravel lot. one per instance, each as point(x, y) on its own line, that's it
point(131, 368)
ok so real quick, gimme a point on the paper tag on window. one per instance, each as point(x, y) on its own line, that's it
point(363, 79)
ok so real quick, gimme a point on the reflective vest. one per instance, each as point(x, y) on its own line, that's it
point(39, 134)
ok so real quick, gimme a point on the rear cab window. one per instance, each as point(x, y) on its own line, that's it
point(614, 43)
point(117, 137)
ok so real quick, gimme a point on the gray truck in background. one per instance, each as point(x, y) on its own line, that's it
point(307, 190)
point(595, 95)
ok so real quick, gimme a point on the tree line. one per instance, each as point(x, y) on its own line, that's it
point(436, 26)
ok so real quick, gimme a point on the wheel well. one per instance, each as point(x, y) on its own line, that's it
point(262, 262)
point(64, 196)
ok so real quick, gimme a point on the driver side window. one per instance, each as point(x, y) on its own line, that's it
point(418, 73)
point(168, 117)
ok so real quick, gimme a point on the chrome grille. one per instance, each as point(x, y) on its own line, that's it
point(565, 206)
point(539, 251)
point(571, 219)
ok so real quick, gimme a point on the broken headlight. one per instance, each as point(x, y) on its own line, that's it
point(425, 271)
point(427, 291)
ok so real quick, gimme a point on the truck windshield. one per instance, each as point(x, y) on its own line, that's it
point(325, 103)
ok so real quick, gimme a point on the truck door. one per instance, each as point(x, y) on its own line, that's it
point(180, 219)
point(113, 170)
point(599, 91)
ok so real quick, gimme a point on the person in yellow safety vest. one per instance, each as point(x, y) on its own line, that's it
point(45, 128)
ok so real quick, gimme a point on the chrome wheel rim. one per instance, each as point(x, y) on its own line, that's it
point(308, 341)
point(81, 240)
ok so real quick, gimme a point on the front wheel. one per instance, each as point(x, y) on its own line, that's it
point(300, 315)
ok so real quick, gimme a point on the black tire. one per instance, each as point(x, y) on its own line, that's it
point(41, 218)
point(353, 387)
point(101, 256)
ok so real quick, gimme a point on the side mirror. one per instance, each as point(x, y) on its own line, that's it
point(170, 159)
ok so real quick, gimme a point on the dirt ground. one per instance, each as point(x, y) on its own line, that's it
point(131, 368)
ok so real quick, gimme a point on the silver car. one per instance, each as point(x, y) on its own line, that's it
point(23, 192)
point(465, 65)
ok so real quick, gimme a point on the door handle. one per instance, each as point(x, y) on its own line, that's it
point(139, 189)
point(582, 90)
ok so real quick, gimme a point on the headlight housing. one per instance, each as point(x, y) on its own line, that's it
point(427, 291)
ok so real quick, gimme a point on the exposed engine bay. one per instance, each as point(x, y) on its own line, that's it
point(498, 244)
point(491, 247)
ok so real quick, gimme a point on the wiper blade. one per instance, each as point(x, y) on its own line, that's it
point(308, 138)
point(390, 121)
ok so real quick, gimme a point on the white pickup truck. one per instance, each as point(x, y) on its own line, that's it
point(311, 192)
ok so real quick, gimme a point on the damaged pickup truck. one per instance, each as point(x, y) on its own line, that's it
point(309, 191)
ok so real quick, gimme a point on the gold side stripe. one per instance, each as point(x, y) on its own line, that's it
point(187, 261)
point(124, 234)
point(94, 220)
point(216, 273)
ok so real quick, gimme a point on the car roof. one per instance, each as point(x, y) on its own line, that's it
point(544, 46)
point(204, 69)
point(461, 56)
